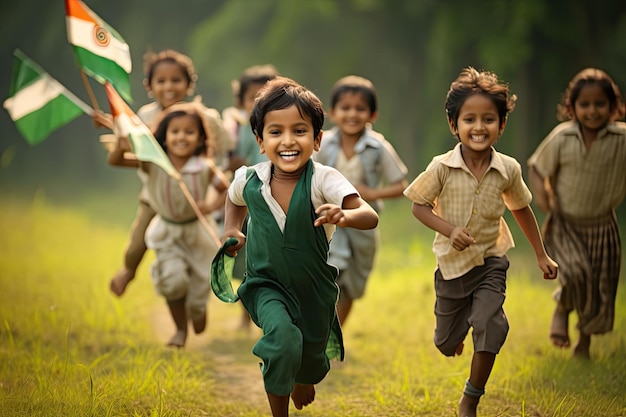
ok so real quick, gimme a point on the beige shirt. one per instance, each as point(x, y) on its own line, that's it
point(351, 168)
point(588, 183)
point(458, 197)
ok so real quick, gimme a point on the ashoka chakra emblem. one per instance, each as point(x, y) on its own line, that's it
point(101, 36)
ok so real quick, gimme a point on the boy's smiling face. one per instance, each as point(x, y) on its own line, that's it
point(288, 139)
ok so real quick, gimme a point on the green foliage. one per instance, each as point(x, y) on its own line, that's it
point(68, 347)
point(410, 49)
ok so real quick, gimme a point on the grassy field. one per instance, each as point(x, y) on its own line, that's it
point(68, 347)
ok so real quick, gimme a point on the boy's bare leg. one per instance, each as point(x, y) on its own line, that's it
point(199, 323)
point(302, 395)
point(559, 331)
point(179, 314)
point(581, 350)
point(134, 251)
point(459, 349)
point(279, 404)
point(344, 305)
point(482, 364)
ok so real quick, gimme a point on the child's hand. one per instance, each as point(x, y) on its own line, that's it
point(329, 213)
point(101, 119)
point(237, 234)
point(460, 238)
point(549, 267)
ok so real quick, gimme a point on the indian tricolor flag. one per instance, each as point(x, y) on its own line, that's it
point(100, 51)
point(127, 123)
point(37, 103)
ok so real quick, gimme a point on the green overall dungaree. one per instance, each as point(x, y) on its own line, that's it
point(290, 290)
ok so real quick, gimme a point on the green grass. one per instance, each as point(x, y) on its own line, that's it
point(68, 347)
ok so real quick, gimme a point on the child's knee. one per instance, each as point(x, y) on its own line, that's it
point(281, 341)
point(448, 346)
point(490, 335)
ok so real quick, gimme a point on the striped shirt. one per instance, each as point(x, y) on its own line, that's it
point(589, 183)
point(458, 197)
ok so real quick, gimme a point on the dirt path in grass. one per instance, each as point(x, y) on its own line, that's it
point(237, 370)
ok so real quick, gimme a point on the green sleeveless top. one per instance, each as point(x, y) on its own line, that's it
point(290, 266)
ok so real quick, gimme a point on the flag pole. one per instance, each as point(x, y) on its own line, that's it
point(196, 209)
point(92, 97)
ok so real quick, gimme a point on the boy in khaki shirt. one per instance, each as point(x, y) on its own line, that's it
point(462, 195)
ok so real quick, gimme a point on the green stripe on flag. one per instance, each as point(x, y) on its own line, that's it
point(102, 69)
point(37, 125)
point(25, 72)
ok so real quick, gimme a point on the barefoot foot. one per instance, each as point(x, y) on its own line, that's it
point(559, 328)
point(178, 340)
point(303, 395)
point(468, 406)
point(120, 281)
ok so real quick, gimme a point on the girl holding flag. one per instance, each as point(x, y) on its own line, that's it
point(181, 270)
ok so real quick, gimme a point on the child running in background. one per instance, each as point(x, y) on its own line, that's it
point(237, 119)
point(181, 270)
point(170, 78)
point(372, 165)
point(294, 205)
point(462, 195)
point(578, 175)
point(246, 152)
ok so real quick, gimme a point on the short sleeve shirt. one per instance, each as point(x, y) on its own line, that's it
point(588, 183)
point(458, 197)
point(327, 186)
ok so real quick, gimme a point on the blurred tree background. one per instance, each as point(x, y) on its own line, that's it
point(410, 49)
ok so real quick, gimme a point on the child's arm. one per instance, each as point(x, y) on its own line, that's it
point(528, 223)
point(234, 217)
point(389, 191)
point(119, 156)
point(540, 189)
point(354, 212)
point(460, 237)
point(214, 200)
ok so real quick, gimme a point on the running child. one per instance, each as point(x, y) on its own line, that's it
point(181, 270)
point(462, 196)
point(578, 175)
point(294, 205)
point(372, 165)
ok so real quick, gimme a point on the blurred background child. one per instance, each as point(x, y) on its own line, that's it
point(372, 165)
point(246, 152)
point(578, 176)
point(184, 250)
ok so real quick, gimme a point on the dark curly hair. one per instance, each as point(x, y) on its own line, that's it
point(471, 81)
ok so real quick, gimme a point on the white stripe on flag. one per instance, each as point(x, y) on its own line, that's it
point(32, 97)
point(37, 94)
point(81, 33)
